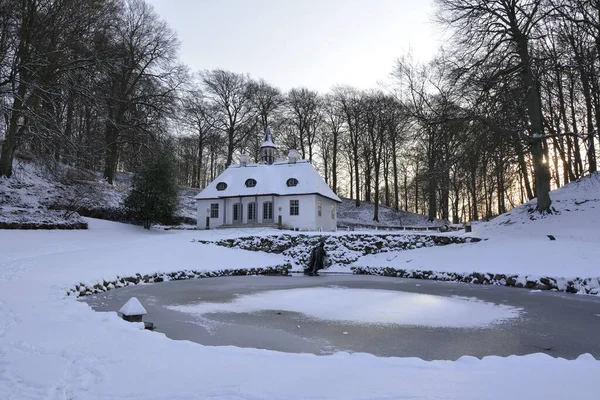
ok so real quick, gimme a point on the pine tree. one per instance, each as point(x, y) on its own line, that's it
point(154, 196)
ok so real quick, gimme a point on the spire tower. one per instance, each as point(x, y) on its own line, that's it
point(267, 148)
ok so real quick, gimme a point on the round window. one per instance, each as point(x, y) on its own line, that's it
point(292, 182)
point(250, 182)
point(221, 186)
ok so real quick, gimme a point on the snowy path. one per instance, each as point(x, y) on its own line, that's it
point(53, 347)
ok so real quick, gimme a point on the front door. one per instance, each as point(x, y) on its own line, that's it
point(267, 211)
point(237, 213)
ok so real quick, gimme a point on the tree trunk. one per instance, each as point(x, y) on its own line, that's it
point(534, 111)
point(334, 163)
point(585, 83)
point(230, 147)
point(396, 186)
point(357, 178)
point(405, 192)
point(577, 152)
point(475, 211)
point(111, 154)
point(431, 197)
point(10, 140)
point(568, 165)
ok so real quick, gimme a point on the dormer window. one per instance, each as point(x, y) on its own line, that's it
point(221, 186)
point(292, 182)
point(250, 182)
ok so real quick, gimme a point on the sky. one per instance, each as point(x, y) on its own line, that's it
point(312, 43)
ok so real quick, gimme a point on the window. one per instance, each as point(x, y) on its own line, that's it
point(221, 186)
point(251, 211)
point(333, 211)
point(319, 208)
point(250, 182)
point(267, 210)
point(292, 182)
point(294, 207)
point(236, 212)
point(214, 210)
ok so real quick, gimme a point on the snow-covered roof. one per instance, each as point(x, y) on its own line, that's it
point(270, 180)
point(133, 307)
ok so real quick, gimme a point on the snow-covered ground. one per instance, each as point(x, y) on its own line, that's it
point(518, 242)
point(54, 347)
point(348, 214)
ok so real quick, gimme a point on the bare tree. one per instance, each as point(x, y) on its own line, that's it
point(332, 131)
point(266, 100)
point(484, 29)
point(348, 101)
point(304, 111)
point(235, 116)
point(198, 117)
point(142, 76)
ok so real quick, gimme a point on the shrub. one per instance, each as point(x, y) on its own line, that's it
point(153, 196)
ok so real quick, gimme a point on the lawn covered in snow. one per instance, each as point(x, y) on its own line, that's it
point(54, 347)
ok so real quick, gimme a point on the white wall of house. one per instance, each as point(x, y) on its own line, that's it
point(307, 218)
point(324, 222)
point(203, 207)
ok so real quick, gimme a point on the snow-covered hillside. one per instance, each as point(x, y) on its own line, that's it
point(518, 241)
point(349, 214)
point(55, 198)
point(576, 215)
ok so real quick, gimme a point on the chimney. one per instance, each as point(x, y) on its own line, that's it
point(244, 160)
point(293, 155)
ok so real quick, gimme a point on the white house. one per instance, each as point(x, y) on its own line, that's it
point(290, 193)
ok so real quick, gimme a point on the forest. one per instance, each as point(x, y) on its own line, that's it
point(508, 110)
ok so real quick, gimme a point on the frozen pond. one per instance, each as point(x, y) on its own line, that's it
point(378, 315)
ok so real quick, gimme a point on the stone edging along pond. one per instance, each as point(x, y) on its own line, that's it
point(83, 289)
point(345, 250)
point(574, 285)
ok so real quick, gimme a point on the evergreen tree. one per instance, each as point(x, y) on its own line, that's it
point(154, 197)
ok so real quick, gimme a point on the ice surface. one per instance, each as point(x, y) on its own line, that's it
point(366, 306)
